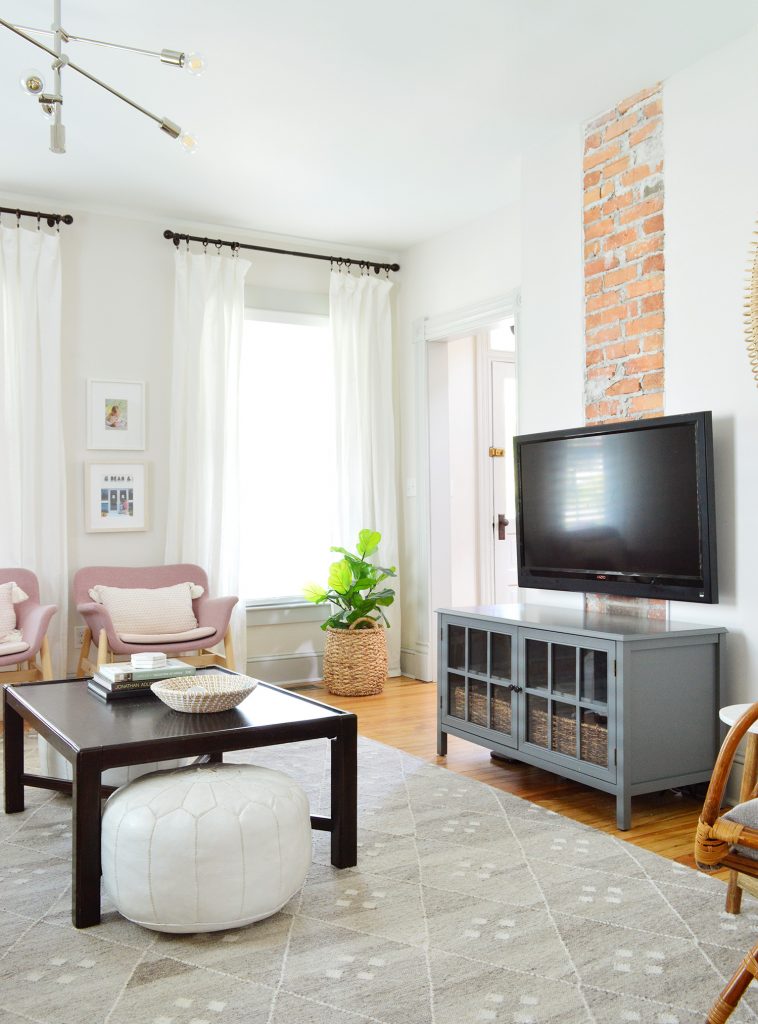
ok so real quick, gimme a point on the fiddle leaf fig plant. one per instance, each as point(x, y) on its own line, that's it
point(354, 585)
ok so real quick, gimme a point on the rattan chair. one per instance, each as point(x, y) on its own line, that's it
point(715, 843)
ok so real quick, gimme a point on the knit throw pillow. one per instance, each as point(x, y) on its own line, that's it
point(152, 611)
point(10, 594)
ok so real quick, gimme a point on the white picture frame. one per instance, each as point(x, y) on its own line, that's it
point(116, 415)
point(115, 497)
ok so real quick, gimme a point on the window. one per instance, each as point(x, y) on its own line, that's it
point(287, 451)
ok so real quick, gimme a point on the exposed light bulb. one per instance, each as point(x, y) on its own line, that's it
point(188, 142)
point(194, 63)
point(32, 82)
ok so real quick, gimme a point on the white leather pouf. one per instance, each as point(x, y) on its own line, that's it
point(207, 848)
point(56, 766)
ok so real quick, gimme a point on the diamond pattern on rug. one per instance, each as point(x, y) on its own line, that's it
point(468, 905)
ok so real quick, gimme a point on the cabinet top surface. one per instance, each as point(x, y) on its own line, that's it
point(576, 620)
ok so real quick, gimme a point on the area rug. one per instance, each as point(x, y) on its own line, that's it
point(467, 905)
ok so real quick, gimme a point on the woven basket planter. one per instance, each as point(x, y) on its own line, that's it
point(355, 660)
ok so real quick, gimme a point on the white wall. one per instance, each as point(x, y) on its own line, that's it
point(711, 157)
point(470, 265)
point(118, 282)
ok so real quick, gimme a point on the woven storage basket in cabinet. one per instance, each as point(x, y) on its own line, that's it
point(355, 660)
point(593, 738)
point(477, 708)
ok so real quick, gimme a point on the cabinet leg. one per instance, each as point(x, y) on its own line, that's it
point(623, 812)
point(441, 743)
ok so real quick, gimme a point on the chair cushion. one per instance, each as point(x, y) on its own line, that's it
point(745, 814)
point(167, 638)
point(12, 647)
point(149, 611)
point(10, 594)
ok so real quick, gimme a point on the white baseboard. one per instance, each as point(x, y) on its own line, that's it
point(415, 662)
point(286, 668)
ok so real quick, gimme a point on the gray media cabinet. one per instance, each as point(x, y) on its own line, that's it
point(625, 705)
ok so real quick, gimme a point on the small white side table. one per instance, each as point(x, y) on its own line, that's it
point(729, 716)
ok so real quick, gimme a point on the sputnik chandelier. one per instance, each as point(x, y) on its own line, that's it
point(33, 83)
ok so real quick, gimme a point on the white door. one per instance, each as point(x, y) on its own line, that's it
point(503, 405)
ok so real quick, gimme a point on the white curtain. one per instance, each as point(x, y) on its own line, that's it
point(203, 524)
point(361, 321)
point(33, 531)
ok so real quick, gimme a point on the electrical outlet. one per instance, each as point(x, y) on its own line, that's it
point(79, 634)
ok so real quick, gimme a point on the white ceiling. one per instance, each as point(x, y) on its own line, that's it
point(367, 123)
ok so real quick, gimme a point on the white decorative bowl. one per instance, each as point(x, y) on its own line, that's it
point(204, 693)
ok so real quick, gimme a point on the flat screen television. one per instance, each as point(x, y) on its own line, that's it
point(625, 508)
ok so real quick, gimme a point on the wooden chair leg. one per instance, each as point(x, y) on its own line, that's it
point(46, 660)
point(229, 650)
point(103, 654)
point(81, 665)
point(734, 990)
point(733, 894)
point(749, 774)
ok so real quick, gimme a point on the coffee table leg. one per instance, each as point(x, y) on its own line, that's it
point(85, 896)
point(14, 759)
point(345, 794)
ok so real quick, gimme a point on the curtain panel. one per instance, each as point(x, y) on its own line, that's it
point(203, 520)
point(33, 529)
point(361, 321)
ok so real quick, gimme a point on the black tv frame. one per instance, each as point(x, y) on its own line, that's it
point(620, 583)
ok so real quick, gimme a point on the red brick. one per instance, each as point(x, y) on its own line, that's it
point(611, 170)
point(609, 316)
point(593, 141)
point(619, 202)
point(591, 195)
point(607, 189)
point(594, 357)
point(594, 213)
point(621, 125)
point(646, 403)
point(653, 224)
point(601, 156)
point(601, 119)
point(656, 262)
point(602, 301)
point(644, 324)
point(643, 364)
point(591, 250)
point(644, 132)
point(652, 303)
point(601, 372)
point(597, 410)
point(624, 387)
point(653, 109)
point(620, 239)
point(593, 285)
point(604, 334)
point(636, 174)
point(652, 380)
point(623, 349)
point(599, 229)
point(621, 276)
point(645, 287)
point(632, 101)
point(653, 342)
point(645, 248)
point(591, 178)
point(643, 209)
point(598, 266)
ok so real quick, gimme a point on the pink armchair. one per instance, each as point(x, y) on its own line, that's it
point(212, 614)
point(32, 618)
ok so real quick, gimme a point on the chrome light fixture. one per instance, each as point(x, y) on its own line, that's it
point(33, 82)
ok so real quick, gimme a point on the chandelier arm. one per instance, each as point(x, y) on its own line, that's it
point(68, 37)
point(75, 67)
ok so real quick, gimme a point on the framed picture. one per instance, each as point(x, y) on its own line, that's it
point(116, 414)
point(115, 497)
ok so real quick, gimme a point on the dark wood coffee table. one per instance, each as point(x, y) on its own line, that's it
point(94, 735)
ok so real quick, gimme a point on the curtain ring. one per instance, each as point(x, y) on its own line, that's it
point(218, 246)
point(18, 218)
point(39, 217)
point(186, 242)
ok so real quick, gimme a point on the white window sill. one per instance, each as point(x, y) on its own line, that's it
point(278, 613)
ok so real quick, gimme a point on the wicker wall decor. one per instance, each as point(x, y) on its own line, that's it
point(751, 309)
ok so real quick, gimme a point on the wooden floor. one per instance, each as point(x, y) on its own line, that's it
point(404, 716)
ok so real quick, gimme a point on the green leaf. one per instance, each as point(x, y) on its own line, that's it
point(340, 576)
point(314, 593)
point(368, 542)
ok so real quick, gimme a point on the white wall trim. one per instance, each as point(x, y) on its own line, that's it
point(277, 615)
point(470, 319)
point(287, 668)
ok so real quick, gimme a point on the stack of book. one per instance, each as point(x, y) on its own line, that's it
point(117, 680)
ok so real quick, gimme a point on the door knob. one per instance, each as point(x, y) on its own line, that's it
point(502, 522)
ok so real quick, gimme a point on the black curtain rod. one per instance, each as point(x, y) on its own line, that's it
point(339, 260)
point(51, 218)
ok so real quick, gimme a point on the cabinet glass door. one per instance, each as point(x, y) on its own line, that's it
point(566, 708)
